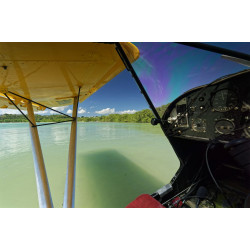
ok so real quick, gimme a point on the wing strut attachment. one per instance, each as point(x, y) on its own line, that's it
point(43, 190)
point(20, 110)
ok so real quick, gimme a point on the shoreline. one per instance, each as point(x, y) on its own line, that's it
point(80, 122)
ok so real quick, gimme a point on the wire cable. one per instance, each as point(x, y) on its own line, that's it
point(211, 174)
point(20, 110)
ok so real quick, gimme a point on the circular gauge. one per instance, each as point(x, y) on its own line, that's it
point(247, 129)
point(224, 126)
point(224, 100)
point(198, 125)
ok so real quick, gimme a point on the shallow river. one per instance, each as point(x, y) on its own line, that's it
point(116, 162)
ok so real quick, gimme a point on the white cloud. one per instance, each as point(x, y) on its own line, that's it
point(17, 112)
point(127, 112)
point(112, 111)
point(45, 112)
point(69, 111)
point(81, 111)
point(105, 111)
point(58, 109)
point(11, 111)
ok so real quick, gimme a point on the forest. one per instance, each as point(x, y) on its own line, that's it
point(143, 116)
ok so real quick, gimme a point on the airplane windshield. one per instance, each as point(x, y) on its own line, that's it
point(167, 70)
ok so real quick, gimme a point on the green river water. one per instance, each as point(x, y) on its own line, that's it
point(116, 162)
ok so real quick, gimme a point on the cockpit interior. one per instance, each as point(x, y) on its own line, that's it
point(209, 129)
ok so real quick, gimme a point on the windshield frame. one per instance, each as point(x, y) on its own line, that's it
point(198, 45)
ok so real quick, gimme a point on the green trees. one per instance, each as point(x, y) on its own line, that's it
point(143, 116)
point(39, 118)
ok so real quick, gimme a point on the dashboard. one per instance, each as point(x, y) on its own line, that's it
point(219, 110)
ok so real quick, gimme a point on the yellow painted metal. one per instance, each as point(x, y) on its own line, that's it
point(51, 73)
point(20, 102)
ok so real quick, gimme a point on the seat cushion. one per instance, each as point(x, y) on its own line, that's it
point(145, 201)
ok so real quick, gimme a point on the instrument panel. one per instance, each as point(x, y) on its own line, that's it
point(219, 110)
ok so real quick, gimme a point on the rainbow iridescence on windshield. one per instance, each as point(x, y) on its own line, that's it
point(168, 69)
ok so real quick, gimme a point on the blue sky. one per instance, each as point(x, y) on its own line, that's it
point(169, 69)
point(166, 71)
point(121, 95)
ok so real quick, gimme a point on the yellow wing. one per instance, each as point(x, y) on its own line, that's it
point(51, 73)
